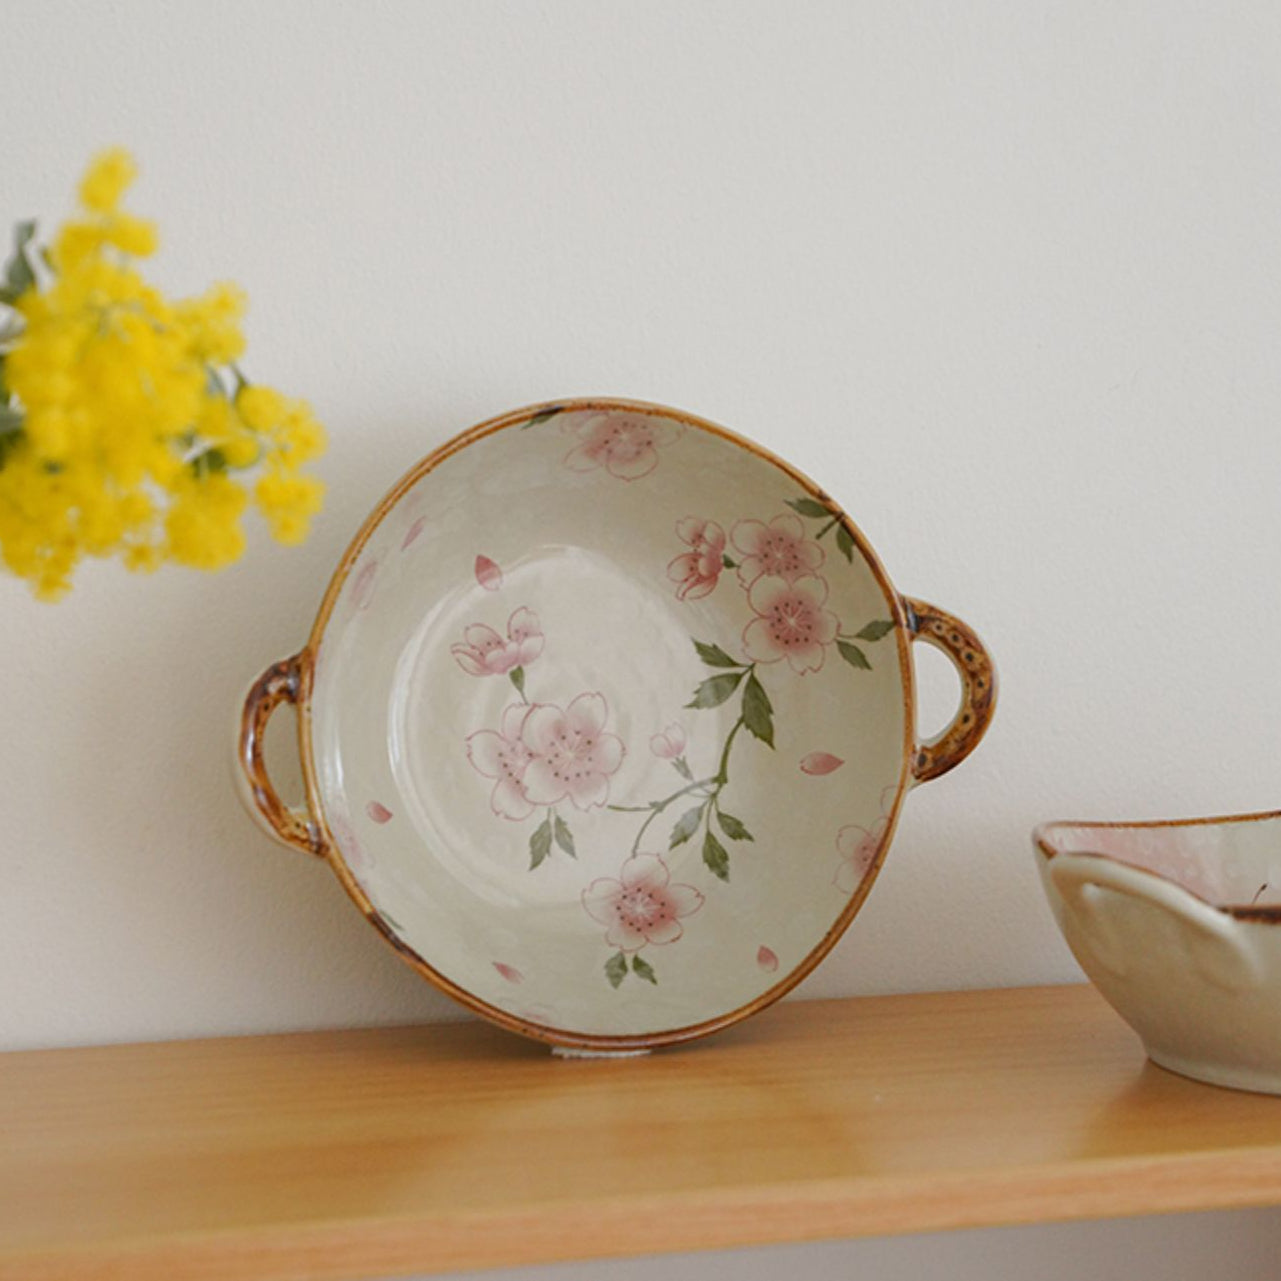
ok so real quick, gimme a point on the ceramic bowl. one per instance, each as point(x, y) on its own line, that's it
point(1179, 926)
point(605, 721)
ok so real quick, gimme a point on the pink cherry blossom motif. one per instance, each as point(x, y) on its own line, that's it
point(668, 745)
point(502, 756)
point(378, 812)
point(485, 653)
point(777, 550)
point(766, 959)
point(413, 531)
point(571, 757)
point(857, 847)
point(642, 906)
point(625, 445)
point(790, 622)
point(819, 763)
point(488, 575)
point(699, 569)
point(362, 586)
point(509, 972)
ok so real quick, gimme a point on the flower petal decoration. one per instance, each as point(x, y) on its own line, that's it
point(820, 763)
point(791, 622)
point(624, 445)
point(777, 550)
point(411, 534)
point(698, 570)
point(642, 906)
point(488, 575)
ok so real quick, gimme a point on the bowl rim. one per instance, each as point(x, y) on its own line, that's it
point(1268, 914)
point(900, 613)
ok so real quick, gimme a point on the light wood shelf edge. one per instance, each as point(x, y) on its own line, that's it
point(399, 1151)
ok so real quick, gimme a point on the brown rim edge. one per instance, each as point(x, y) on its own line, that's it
point(538, 1031)
point(1269, 914)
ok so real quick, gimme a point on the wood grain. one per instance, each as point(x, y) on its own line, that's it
point(430, 1149)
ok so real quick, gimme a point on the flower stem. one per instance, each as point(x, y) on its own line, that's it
point(834, 521)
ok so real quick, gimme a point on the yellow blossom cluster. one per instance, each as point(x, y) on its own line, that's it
point(126, 426)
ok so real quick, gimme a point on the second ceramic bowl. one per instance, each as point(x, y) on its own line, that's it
point(606, 719)
point(1178, 924)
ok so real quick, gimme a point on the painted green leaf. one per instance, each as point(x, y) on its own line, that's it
point(517, 678)
point(729, 562)
point(716, 857)
point(845, 542)
point(733, 827)
point(853, 655)
point(715, 656)
point(758, 715)
point(715, 690)
point(540, 844)
point(642, 968)
point(564, 837)
point(541, 417)
point(808, 507)
point(875, 631)
point(681, 765)
point(392, 921)
point(616, 969)
point(686, 826)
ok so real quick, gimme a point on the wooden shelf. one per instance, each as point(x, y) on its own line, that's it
point(431, 1149)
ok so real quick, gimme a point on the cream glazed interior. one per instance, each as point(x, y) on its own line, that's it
point(609, 721)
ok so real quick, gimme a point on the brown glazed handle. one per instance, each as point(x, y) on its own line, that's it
point(978, 689)
point(280, 683)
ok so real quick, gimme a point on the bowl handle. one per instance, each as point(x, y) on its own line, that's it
point(1213, 939)
point(282, 682)
point(948, 749)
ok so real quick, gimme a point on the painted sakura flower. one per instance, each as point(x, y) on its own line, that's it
point(378, 812)
point(625, 445)
point(777, 550)
point(698, 570)
point(819, 763)
point(509, 972)
point(857, 847)
point(485, 653)
point(488, 575)
point(790, 622)
point(502, 756)
point(570, 757)
point(669, 744)
point(766, 958)
point(642, 906)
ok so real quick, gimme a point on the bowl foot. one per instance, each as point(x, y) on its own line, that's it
point(570, 1052)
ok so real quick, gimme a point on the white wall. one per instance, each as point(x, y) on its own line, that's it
point(1002, 276)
